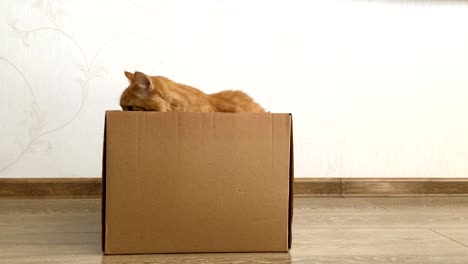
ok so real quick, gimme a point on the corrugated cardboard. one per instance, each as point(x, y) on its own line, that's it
point(197, 182)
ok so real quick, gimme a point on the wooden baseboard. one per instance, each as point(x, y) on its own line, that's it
point(381, 187)
point(50, 187)
point(363, 187)
point(303, 187)
point(325, 187)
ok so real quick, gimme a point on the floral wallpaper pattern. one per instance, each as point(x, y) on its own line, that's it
point(380, 99)
point(40, 121)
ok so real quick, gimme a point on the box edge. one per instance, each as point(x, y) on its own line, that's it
point(103, 190)
point(291, 181)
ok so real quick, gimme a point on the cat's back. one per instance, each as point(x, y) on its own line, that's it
point(188, 98)
point(180, 87)
point(235, 101)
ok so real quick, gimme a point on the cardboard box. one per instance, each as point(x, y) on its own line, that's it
point(197, 182)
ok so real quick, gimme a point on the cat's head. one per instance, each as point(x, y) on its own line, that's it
point(145, 93)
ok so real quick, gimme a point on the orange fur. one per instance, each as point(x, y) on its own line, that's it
point(157, 93)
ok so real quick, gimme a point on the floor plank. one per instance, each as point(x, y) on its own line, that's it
point(454, 234)
point(325, 230)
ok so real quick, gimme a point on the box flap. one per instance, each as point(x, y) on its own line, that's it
point(291, 184)
point(103, 199)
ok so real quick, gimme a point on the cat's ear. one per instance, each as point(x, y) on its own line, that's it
point(130, 76)
point(143, 81)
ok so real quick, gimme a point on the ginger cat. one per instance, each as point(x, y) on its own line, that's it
point(157, 93)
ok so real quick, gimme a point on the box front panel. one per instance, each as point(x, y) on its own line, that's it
point(197, 182)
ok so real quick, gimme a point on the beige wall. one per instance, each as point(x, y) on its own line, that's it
point(377, 88)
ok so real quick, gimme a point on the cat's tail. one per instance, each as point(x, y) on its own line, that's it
point(235, 102)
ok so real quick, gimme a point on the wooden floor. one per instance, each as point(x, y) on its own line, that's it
point(326, 230)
